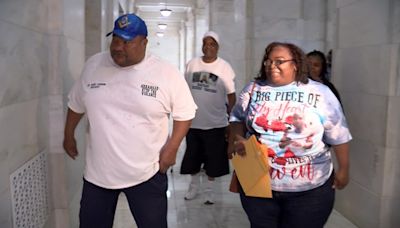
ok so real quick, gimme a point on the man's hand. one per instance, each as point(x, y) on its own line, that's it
point(69, 143)
point(169, 150)
point(70, 147)
point(167, 157)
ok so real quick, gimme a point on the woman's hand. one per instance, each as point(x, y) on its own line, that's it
point(236, 139)
point(341, 179)
point(237, 146)
point(342, 157)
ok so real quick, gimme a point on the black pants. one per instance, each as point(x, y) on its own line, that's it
point(147, 202)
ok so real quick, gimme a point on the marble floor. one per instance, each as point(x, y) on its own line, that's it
point(226, 212)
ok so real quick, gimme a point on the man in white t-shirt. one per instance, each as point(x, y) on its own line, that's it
point(211, 81)
point(128, 96)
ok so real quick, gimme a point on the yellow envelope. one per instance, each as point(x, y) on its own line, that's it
point(252, 169)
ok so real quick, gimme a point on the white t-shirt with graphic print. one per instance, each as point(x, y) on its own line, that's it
point(294, 121)
point(128, 111)
point(210, 83)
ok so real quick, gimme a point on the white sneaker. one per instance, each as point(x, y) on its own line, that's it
point(192, 192)
point(209, 196)
point(209, 192)
point(193, 187)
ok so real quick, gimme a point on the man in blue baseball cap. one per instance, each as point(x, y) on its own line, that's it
point(128, 46)
point(128, 96)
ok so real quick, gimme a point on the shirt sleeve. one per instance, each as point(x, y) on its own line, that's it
point(75, 101)
point(238, 113)
point(183, 105)
point(77, 93)
point(230, 79)
point(334, 121)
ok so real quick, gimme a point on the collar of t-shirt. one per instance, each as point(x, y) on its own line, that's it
point(213, 62)
point(142, 64)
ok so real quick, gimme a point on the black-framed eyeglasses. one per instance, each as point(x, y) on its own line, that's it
point(277, 62)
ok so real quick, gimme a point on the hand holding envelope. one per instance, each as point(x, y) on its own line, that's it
point(252, 169)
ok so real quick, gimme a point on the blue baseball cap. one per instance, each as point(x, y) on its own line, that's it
point(129, 26)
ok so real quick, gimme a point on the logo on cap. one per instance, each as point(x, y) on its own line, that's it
point(129, 26)
point(123, 22)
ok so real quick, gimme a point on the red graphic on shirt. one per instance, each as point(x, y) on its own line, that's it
point(275, 125)
point(293, 124)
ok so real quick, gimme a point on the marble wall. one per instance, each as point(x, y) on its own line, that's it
point(366, 71)
point(201, 16)
point(41, 51)
point(93, 28)
point(228, 19)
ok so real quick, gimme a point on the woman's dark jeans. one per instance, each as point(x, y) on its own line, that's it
point(307, 209)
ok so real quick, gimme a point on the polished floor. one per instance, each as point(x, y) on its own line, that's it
point(226, 212)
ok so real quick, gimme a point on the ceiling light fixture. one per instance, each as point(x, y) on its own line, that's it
point(160, 34)
point(165, 12)
point(162, 26)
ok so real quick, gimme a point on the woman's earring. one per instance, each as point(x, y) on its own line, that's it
point(265, 63)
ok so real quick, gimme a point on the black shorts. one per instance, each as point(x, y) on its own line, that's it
point(207, 147)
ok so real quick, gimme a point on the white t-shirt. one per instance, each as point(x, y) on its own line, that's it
point(128, 110)
point(210, 83)
point(294, 121)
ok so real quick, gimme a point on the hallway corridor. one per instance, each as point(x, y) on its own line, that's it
point(45, 43)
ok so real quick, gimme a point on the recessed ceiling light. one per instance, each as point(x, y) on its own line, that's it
point(162, 26)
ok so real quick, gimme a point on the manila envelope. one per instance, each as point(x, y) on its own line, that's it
point(252, 169)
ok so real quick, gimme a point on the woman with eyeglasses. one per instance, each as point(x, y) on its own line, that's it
point(295, 118)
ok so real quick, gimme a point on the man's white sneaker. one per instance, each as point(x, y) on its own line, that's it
point(192, 192)
point(209, 197)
